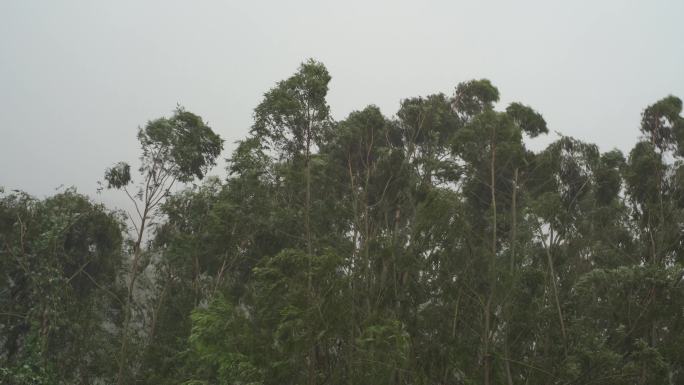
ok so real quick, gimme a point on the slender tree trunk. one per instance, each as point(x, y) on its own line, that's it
point(507, 363)
point(485, 355)
point(395, 247)
point(514, 228)
point(375, 285)
point(352, 268)
point(309, 247)
point(514, 219)
point(137, 251)
point(658, 256)
point(307, 211)
point(197, 279)
point(554, 287)
point(157, 310)
point(491, 267)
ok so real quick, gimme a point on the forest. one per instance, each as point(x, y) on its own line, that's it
point(431, 246)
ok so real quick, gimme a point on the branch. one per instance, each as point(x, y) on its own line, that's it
point(80, 269)
point(134, 202)
point(103, 288)
point(132, 221)
point(24, 316)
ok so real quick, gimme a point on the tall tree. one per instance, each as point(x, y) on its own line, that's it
point(293, 118)
point(176, 149)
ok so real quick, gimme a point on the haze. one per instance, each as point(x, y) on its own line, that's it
point(78, 77)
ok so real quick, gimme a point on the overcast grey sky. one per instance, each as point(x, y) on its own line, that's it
point(78, 77)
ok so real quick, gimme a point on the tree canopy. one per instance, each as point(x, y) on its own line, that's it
point(431, 246)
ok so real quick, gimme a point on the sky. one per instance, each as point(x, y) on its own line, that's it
point(77, 78)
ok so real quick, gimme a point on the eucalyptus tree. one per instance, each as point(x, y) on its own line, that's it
point(649, 177)
point(566, 167)
point(214, 236)
point(431, 247)
point(176, 149)
point(427, 125)
point(653, 183)
point(491, 148)
point(58, 262)
point(366, 155)
point(577, 222)
point(363, 153)
point(293, 119)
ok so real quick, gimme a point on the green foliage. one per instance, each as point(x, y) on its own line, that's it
point(266, 338)
point(176, 149)
point(420, 251)
point(432, 247)
point(662, 124)
point(474, 97)
point(530, 121)
point(60, 260)
point(294, 114)
point(382, 352)
point(118, 176)
point(183, 144)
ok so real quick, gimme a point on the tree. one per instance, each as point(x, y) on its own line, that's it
point(58, 260)
point(491, 147)
point(293, 118)
point(429, 247)
point(176, 149)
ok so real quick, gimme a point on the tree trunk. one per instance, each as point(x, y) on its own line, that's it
point(137, 251)
point(486, 354)
point(555, 292)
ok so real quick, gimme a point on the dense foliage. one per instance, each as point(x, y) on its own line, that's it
point(432, 247)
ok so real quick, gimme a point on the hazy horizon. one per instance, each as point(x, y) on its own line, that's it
point(77, 78)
